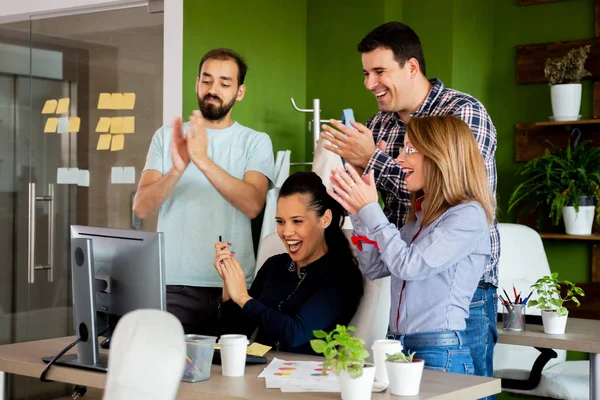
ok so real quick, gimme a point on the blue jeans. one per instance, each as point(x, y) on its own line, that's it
point(455, 359)
point(447, 357)
point(481, 334)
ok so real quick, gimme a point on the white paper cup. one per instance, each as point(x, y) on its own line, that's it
point(380, 348)
point(233, 354)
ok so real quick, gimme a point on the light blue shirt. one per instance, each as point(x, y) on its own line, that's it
point(195, 214)
point(441, 268)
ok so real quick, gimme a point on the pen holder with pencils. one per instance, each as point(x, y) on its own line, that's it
point(513, 318)
point(198, 360)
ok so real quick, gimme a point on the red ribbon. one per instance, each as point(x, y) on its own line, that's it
point(359, 240)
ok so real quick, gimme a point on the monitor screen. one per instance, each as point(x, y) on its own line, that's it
point(128, 269)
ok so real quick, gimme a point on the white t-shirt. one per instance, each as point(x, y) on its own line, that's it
point(195, 214)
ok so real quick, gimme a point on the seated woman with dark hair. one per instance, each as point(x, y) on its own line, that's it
point(315, 285)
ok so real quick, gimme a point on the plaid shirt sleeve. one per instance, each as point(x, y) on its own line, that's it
point(388, 174)
point(485, 134)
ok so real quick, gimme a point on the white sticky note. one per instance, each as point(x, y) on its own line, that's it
point(63, 125)
point(83, 178)
point(128, 175)
point(116, 175)
point(67, 176)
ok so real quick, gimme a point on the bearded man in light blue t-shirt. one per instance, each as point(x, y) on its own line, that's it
point(208, 178)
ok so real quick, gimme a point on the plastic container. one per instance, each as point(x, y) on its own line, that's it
point(200, 351)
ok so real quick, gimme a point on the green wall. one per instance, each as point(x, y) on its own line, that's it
point(271, 36)
point(307, 49)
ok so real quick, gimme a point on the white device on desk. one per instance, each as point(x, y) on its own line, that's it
point(114, 271)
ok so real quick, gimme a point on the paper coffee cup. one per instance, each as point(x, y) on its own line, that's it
point(233, 354)
point(380, 348)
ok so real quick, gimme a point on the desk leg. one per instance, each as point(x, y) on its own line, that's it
point(594, 376)
point(3, 395)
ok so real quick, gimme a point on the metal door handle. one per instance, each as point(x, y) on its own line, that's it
point(31, 253)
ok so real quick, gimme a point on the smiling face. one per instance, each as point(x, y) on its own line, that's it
point(389, 83)
point(218, 88)
point(412, 162)
point(301, 229)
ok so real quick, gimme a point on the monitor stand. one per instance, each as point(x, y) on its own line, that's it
point(73, 361)
point(87, 357)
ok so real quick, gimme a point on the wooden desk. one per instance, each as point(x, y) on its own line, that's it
point(24, 359)
point(580, 335)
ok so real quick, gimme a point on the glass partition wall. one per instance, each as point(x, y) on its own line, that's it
point(80, 97)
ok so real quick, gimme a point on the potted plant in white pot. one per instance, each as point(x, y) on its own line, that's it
point(564, 182)
point(564, 75)
point(404, 372)
point(550, 301)
point(345, 355)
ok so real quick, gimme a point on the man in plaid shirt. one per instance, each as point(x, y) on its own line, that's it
point(394, 70)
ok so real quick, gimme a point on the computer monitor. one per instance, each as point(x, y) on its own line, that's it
point(114, 271)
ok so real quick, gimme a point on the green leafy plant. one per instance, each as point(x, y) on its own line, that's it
point(558, 179)
point(342, 351)
point(548, 289)
point(400, 357)
point(567, 69)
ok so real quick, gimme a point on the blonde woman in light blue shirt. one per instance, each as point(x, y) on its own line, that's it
point(437, 258)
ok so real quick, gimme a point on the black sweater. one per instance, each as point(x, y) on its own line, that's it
point(287, 308)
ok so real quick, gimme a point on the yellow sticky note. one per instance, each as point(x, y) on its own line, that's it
point(63, 105)
point(116, 125)
point(49, 107)
point(128, 101)
point(117, 143)
point(104, 101)
point(103, 124)
point(51, 125)
point(116, 101)
point(104, 142)
point(74, 124)
point(128, 124)
point(257, 349)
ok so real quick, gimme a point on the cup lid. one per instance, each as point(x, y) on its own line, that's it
point(233, 339)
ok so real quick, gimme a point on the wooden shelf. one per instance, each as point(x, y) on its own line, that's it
point(564, 123)
point(531, 139)
point(563, 236)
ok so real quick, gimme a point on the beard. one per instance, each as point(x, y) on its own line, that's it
point(214, 112)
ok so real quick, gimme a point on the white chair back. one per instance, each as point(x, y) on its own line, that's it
point(522, 261)
point(147, 357)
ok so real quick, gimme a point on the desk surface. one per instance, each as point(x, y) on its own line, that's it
point(24, 359)
point(580, 335)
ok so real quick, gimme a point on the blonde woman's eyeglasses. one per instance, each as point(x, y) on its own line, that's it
point(408, 150)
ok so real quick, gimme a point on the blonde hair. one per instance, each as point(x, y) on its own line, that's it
point(453, 166)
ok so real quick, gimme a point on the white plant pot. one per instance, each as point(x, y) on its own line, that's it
point(553, 324)
point(578, 223)
point(357, 388)
point(405, 378)
point(566, 101)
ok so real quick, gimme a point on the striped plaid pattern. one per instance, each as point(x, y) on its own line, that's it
point(388, 174)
